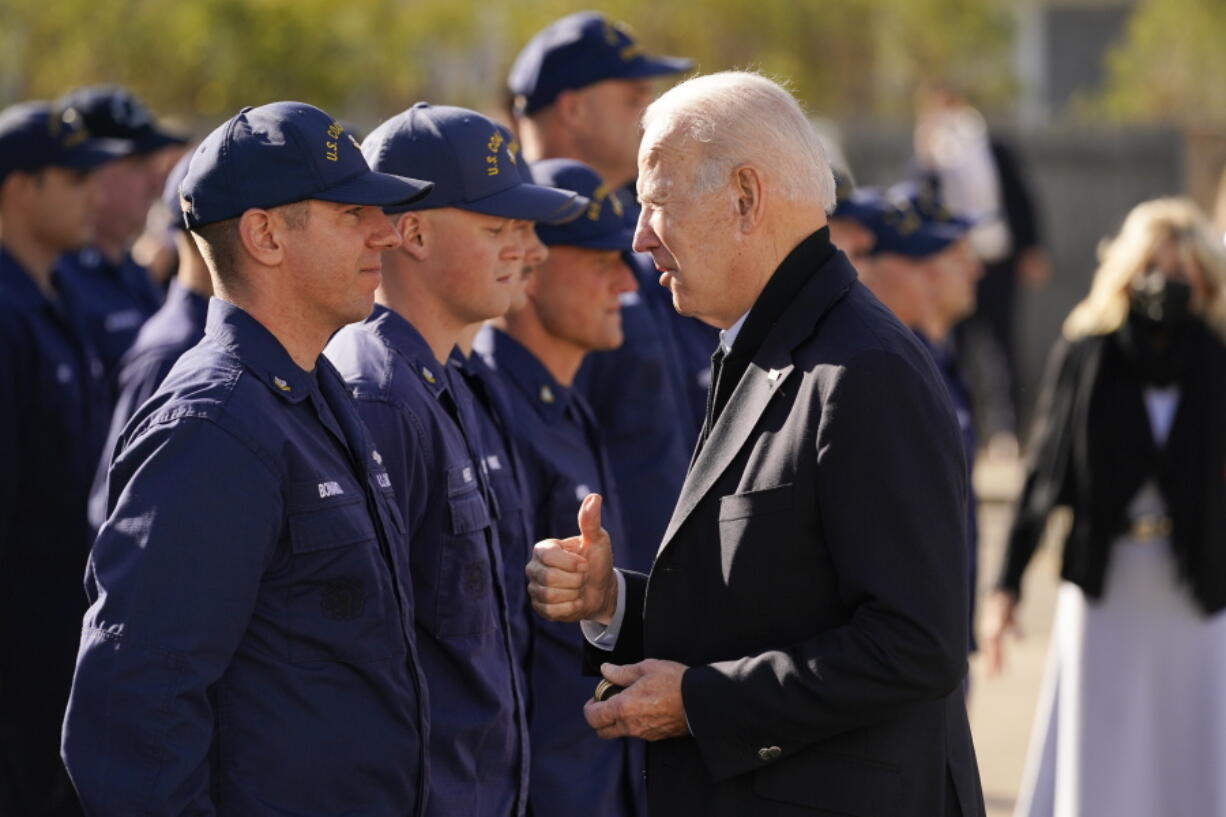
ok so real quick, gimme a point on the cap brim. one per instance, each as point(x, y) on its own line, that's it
point(531, 202)
point(856, 211)
point(94, 152)
point(656, 67)
point(574, 207)
point(377, 190)
point(155, 140)
point(620, 240)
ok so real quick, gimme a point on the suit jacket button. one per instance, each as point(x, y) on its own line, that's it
point(768, 753)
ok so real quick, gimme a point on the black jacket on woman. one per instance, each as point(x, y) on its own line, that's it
point(1093, 449)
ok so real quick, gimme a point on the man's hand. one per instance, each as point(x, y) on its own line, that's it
point(572, 579)
point(649, 707)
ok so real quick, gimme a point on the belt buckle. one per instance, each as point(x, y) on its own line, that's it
point(1151, 527)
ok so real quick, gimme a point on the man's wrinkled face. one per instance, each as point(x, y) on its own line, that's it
point(691, 236)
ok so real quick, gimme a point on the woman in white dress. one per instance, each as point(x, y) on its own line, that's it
point(1131, 435)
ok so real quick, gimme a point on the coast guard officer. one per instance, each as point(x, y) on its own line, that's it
point(249, 646)
point(572, 309)
point(53, 410)
point(494, 417)
point(113, 292)
point(579, 88)
point(452, 268)
point(176, 327)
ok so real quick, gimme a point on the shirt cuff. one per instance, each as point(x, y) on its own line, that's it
point(597, 634)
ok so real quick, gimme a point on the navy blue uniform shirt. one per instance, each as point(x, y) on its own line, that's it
point(573, 770)
point(173, 329)
point(249, 649)
point(53, 411)
point(505, 472)
point(114, 300)
point(945, 357)
point(478, 745)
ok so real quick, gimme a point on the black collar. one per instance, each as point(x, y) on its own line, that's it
point(780, 291)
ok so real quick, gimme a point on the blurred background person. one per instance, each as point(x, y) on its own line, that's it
point(176, 327)
point(922, 267)
point(1131, 436)
point(53, 413)
point(979, 178)
point(114, 294)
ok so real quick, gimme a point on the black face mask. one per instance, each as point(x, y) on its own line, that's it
point(1159, 300)
point(1156, 337)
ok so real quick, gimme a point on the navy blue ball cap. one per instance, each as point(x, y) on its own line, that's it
point(471, 159)
point(36, 135)
point(112, 112)
point(278, 154)
point(170, 191)
point(576, 51)
point(602, 226)
point(858, 204)
point(899, 227)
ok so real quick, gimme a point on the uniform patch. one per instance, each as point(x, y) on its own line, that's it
point(474, 577)
point(327, 489)
point(343, 599)
point(384, 480)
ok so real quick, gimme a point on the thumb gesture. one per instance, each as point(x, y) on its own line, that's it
point(572, 579)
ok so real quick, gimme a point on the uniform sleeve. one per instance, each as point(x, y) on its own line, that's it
point(891, 492)
point(138, 380)
point(12, 357)
point(173, 580)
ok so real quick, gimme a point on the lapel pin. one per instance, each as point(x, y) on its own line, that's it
point(280, 384)
point(546, 394)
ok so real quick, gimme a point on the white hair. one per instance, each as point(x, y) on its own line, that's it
point(742, 117)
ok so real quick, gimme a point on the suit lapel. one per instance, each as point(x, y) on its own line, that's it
point(769, 369)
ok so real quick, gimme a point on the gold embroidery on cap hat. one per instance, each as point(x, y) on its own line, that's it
point(491, 161)
point(332, 146)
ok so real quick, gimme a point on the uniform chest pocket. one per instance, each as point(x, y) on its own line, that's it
point(465, 602)
point(339, 597)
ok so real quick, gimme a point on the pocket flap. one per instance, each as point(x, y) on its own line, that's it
point(468, 513)
point(331, 526)
point(763, 500)
point(832, 782)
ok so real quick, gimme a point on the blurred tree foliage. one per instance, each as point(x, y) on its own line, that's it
point(366, 59)
point(1171, 65)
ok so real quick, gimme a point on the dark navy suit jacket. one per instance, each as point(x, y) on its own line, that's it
point(813, 576)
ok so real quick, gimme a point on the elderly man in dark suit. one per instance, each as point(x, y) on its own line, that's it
point(799, 647)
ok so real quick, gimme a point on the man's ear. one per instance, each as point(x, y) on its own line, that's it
point(260, 233)
point(415, 234)
point(747, 186)
point(569, 107)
